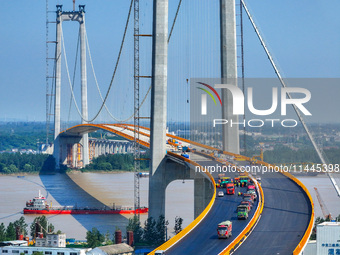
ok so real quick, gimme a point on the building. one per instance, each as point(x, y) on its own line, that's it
point(14, 243)
point(115, 249)
point(51, 240)
point(328, 238)
point(310, 248)
point(16, 250)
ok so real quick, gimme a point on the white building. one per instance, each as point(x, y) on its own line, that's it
point(16, 250)
point(328, 238)
point(51, 240)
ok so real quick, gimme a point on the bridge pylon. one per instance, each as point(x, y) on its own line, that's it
point(230, 140)
point(158, 106)
point(80, 17)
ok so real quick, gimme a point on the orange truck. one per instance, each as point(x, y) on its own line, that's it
point(230, 189)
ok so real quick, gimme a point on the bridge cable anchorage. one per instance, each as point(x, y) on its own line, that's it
point(310, 136)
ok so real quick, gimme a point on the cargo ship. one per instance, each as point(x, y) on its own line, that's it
point(39, 206)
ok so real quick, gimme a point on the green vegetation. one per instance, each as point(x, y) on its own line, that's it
point(28, 163)
point(94, 238)
point(9, 233)
point(21, 135)
point(153, 233)
point(115, 162)
point(40, 225)
point(178, 224)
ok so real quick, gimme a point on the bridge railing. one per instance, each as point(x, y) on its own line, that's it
point(196, 221)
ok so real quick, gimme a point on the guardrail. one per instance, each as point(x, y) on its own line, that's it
point(196, 221)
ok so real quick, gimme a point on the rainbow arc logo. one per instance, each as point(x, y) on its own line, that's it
point(204, 97)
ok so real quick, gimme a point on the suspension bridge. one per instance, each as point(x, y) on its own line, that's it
point(283, 216)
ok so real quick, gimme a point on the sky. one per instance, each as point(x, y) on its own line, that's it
point(302, 35)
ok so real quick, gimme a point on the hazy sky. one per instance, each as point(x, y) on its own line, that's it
point(304, 37)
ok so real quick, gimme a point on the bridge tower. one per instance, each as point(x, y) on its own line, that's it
point(160, 175)
point(229, 72)
point(80, 17)
point(158, 106)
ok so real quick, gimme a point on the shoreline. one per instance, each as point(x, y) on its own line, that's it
point(70, 172)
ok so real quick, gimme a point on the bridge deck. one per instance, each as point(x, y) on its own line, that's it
point(203, 239)
point(284, 220)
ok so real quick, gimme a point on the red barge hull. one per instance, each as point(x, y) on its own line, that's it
point(84, 211)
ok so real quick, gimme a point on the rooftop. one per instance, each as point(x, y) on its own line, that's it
point(330, 223)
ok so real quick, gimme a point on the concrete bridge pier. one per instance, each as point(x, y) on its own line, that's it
point(171, 171)
point(68, 151)
point(203, 191)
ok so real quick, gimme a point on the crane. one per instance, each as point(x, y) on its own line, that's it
point(323, 206)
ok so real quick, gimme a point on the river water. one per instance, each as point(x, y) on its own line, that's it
point(93, 190)
point(99, 189)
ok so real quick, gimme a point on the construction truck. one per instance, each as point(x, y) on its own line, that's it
point(230, 189)
point(224, 229)
point(242, 212)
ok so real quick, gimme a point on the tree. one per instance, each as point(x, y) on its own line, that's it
point(42, 223)
point(318, 220)
point(337, 218)
point(21, 224)
point(27, 168)
point(178, 224)
point(2, 232)
point(150, 231)
point(38, 253)
point(161, 230)
point(94, 238)
point(135, 227)
point(49, 164)
point(12, 168)
point(108, 241)
point(10, 232)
